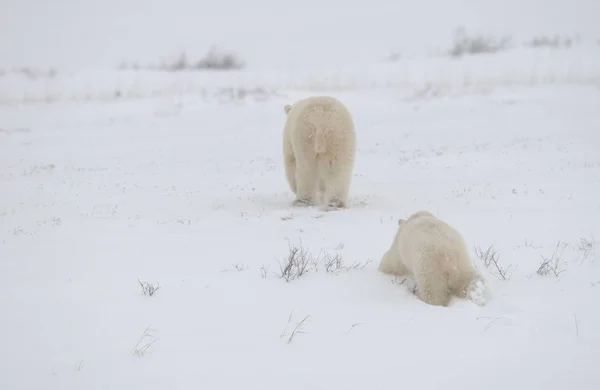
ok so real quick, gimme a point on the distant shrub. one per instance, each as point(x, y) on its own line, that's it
point(30, 73)
point(394, 57)
point(469, 45)
point(555, 42)
point(214, 59)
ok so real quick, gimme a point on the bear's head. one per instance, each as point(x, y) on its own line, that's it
point(420, 213)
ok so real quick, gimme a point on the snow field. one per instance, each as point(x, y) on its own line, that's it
point(190, 192)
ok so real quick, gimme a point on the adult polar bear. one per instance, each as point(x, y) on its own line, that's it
point(436, 255)
point(319, 147)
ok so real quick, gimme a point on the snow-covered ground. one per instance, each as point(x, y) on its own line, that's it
point(191, 194)
point(109, 178)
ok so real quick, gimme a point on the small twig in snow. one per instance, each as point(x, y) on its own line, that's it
point(531, 244)
point(287, 324)
point(492, 320)
point(554, 263)
point(296, 262)
point(235, 267)
point(264, 271)
point(352, 327)
point(586, 247)
point(148, 288)
point(298, 329)
point(140, 349)
point(490, 258)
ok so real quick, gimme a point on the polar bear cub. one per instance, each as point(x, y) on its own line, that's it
point(319, 147)
point(436, 256)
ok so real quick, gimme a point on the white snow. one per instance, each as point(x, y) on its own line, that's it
point(108, 177)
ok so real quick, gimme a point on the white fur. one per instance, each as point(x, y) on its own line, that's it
point(319, 147)
point(436, 256)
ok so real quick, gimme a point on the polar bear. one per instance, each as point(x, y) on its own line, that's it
point(436, 256)
point(319, 147)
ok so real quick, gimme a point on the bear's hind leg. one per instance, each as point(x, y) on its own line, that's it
point(321, 191)
point(289, 162)
point(306, 185)
point(290, 171)
point(471, 286)
point(337, 187)
point(392, 266)
point(461, 283)
point(433, 289)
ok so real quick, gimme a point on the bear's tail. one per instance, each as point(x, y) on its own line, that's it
point(478, 291)
point(321, 140)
